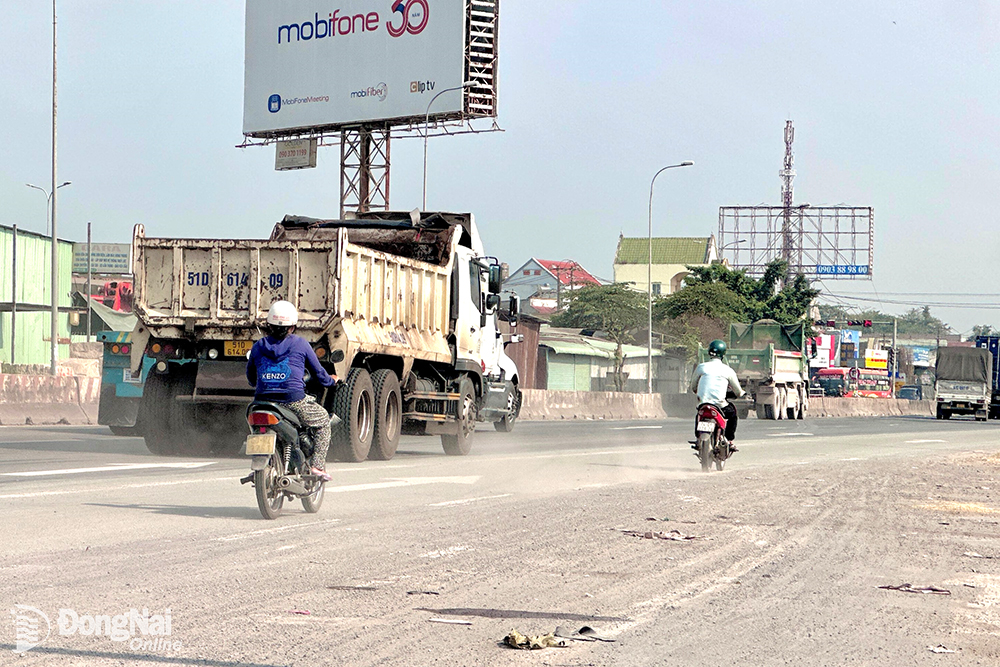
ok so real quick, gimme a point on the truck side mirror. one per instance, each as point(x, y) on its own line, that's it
point(492, 301)
point(513, 309)
point(495, 282)
point(337, 356)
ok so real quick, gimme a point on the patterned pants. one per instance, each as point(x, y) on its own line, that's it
point(312, 414)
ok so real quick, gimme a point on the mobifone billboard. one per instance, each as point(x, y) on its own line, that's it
point(314, 64)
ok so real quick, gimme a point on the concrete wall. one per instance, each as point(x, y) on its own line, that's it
point(43, 399)
point(868, 407)
point(556, 405)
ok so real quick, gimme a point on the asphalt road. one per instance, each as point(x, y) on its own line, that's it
point(790, 545)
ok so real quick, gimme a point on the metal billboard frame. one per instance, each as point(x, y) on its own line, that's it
point(836, 242)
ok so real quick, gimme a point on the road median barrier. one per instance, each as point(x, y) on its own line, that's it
point(44, 399)
point(868, 407)
point(541, 405)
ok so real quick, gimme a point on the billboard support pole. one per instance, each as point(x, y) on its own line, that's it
point(364, 168)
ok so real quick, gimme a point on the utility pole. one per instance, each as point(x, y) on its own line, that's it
point(13, 299)
point(55, 244)
point(90, 275)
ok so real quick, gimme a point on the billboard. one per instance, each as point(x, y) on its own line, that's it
point(295, 154)
point(111, 258)
point(312, 65)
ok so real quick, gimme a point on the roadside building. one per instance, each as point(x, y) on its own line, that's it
point(32, 339)
point(570, 361)
point(547, 281)
point(671, 257)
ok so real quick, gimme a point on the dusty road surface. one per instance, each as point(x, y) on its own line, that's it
point(432, 560)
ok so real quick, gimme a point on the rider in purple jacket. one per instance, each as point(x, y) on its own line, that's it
point(276, 368)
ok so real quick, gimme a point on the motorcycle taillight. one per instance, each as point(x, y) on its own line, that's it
point(262, 419)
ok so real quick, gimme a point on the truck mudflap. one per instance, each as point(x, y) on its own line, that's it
point(495, 404)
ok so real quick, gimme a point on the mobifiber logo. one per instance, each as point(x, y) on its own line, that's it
point(414, 15)
point(378, 91)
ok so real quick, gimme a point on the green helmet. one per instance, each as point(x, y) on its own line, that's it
point(717, 348)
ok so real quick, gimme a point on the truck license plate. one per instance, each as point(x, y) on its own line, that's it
point(260, 444)
point(705, 427)
point(236, 348)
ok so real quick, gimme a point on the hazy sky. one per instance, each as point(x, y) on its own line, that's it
point(896, 106)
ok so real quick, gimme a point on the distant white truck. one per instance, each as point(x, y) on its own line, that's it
point(962, 382)
point(409, 298)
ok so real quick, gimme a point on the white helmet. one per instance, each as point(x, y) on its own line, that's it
point(282, 314)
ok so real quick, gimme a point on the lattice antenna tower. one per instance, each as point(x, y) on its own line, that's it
point(787, 175)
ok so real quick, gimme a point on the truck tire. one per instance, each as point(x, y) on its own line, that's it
point(460, 443)
point(388, 415)
point(513, 399)
point(155, 414)
point(354, 403)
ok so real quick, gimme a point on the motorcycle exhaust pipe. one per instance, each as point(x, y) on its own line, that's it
point(293, 486)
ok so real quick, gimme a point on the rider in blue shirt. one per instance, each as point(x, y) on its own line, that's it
point(276, 368)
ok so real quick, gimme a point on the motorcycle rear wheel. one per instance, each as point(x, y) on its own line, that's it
point(269, 497)
point(313, 501)
point(705, 451)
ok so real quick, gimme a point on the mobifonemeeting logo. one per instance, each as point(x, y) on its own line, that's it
point(274, 103)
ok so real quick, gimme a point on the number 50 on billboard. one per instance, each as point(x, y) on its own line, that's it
point(317, 65)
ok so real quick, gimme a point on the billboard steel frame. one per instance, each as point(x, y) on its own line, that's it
point(818, 241)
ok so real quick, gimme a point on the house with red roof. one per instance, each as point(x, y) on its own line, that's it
point(546, 280)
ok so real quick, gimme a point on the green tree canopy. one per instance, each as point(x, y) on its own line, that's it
point(615, 309)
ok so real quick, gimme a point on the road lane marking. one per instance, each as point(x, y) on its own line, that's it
point(448, 503)
point(280, 529)
point(103, 489)
point(785, 435)
point(918, 442)
point(634, 428)
point(111, 468)
point(407, 481)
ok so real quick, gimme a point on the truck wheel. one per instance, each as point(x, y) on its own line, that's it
point(388, 415)
point(354, 403)
point(154, 414)
point(506, 425)
point(743, 413)
point(460, 443)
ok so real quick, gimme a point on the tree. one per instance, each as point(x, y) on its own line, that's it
point(615, 309)
point(984, 330)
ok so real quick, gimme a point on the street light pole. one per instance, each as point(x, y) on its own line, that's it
point(48, 200)
point(649, 279)
point(427, 119)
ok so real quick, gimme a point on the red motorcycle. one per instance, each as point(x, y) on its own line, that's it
point(710, 440)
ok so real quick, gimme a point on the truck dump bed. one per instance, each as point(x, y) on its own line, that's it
point(212, 289)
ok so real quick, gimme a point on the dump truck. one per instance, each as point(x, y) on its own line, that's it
point(771, 363)
point(409, 299)
point(963, 382)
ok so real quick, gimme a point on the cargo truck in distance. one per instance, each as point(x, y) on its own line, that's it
point(992, 343)
point(962, 382)
point(409, 299)
point(772, 366)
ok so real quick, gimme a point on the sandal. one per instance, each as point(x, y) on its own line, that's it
point(323, 475)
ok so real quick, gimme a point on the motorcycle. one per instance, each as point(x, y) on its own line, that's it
point(281, 449)
point(710, 440)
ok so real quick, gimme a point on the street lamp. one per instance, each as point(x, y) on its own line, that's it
point(48, 200)
point(730, 245)
point(427, 117)
point(649, 279)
